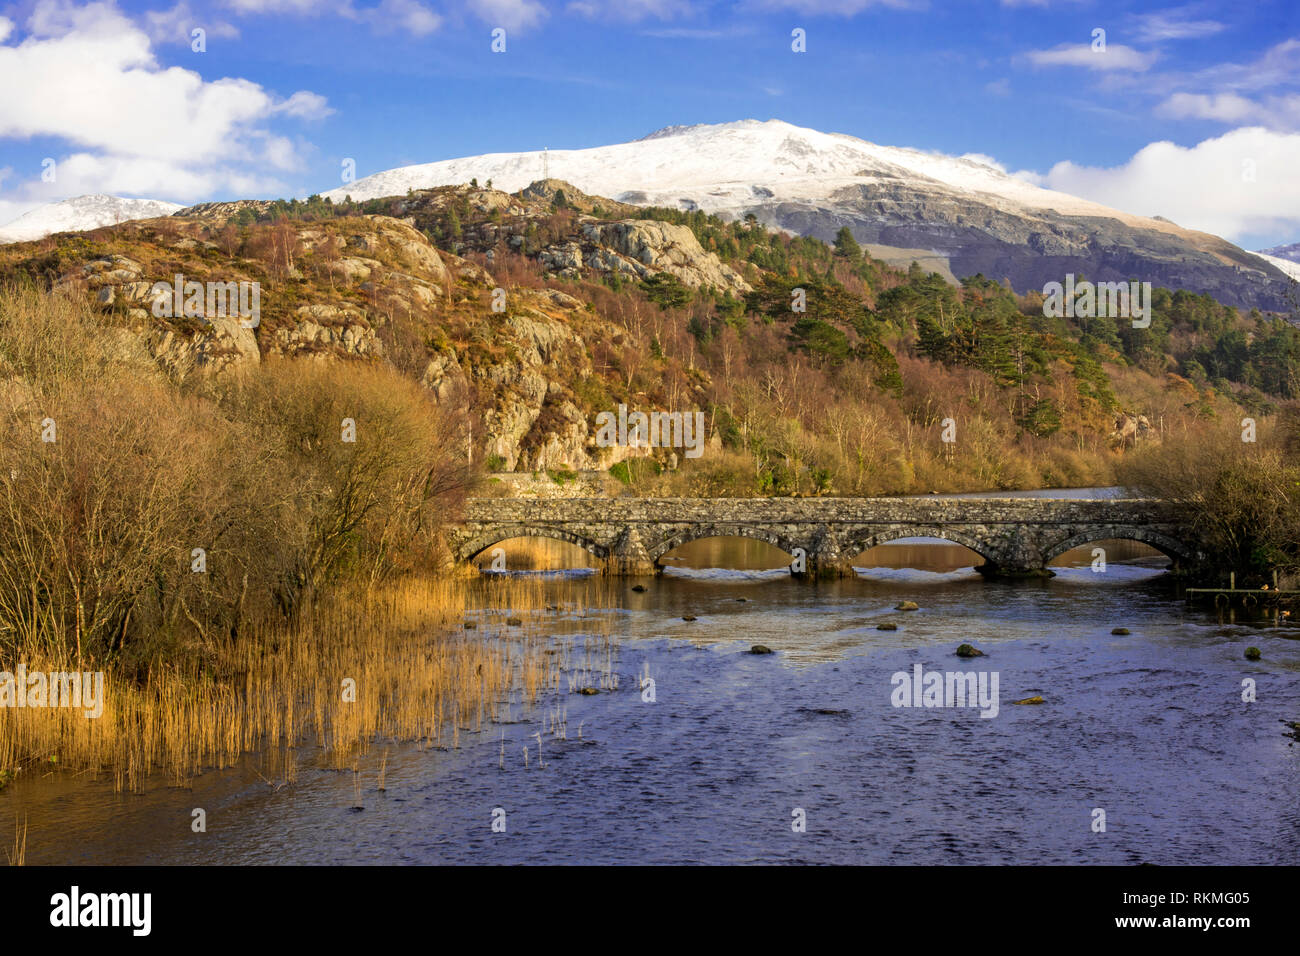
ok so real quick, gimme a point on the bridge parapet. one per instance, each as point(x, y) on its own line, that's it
point(1014, 535)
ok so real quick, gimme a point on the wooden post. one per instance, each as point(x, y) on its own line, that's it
point(1232, 580)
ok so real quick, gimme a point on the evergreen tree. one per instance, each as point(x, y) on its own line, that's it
point(846, 247)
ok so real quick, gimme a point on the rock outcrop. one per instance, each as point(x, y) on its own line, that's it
point(642, 247)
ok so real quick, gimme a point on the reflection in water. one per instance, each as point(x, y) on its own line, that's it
point(1148, 724)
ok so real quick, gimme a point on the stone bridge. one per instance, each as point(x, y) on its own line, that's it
point(1015, 536)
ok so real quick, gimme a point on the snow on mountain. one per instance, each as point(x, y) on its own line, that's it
point(1289, 266)
point(727, 168)
point(81, 213)
point(1291, 252)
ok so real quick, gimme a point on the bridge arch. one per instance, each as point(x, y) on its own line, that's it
point(1170, 547)
point(698, 532)
point(857, 546)
point(475, 546)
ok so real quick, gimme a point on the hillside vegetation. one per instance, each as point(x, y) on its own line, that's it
point(602, 304)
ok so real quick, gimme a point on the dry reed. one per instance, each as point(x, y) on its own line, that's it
point(395, 664)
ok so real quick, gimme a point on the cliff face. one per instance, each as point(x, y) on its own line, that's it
point(1032, 248)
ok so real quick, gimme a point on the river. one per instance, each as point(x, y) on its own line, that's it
point(799, 756)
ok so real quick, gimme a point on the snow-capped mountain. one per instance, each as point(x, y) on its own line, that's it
point(1288, 264)
point(963, 209)
point(1286, 258)
point(1290, 252)
point(83, 212)
point(725, 168)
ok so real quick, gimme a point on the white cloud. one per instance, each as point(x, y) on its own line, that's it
point(1115, 56)
point(305, 105)
point(82, 173)
point(1244, 182)
point(1000, 87)
point(175, 25)
point(276, 6)
point(1228, 107)
point(1177, 23)
point(630, 10)
point(406, 16)
point(511, 14)
point(1279, 66)
point(841, 8)
point(1276, 112)
point(87, 75)
point(389, 16)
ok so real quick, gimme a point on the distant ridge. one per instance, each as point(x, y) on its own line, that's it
point(80, 214)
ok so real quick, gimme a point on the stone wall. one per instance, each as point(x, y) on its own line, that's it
point(1015, 536)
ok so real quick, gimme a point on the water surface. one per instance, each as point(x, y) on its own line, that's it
point(1149, 727)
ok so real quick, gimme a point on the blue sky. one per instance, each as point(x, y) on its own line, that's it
point(1192, 110)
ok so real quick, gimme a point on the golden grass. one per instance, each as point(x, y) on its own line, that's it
point(401, 664)
point(18, 855)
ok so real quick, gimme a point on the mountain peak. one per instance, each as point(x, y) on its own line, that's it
point(80, 213)
point(680, 130)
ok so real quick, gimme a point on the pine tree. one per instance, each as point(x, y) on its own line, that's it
point(846, 247)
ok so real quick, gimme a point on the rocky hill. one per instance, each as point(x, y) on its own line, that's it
point(375, 287)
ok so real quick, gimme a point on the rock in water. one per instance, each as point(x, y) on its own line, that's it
point(887, 626)
point(760, 649)
point(1120, 630)
point(908, 606)
point(1253, 654)
point(969, 650)
point(1029, 700)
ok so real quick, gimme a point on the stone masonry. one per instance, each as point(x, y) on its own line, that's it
point(1015, 536)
